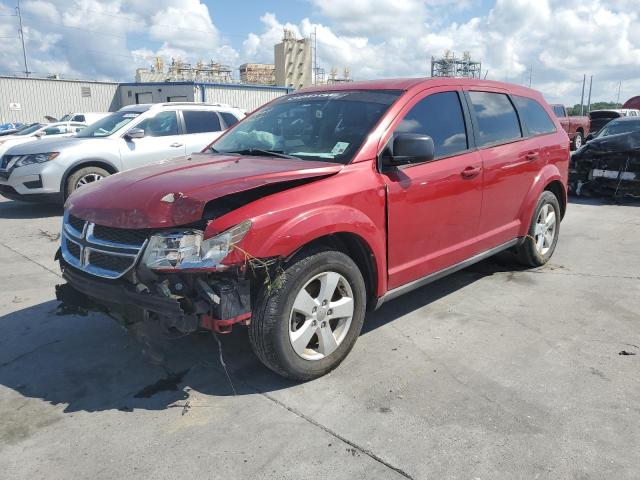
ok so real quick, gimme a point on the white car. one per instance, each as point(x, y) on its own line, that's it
point(38, 131)
point(134, 136)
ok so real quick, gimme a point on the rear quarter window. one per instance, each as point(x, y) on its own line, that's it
point(201, 121)
point(534, 115)
point(496, 118)
point(229, 118)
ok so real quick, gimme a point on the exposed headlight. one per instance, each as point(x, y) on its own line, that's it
point(35, 158)
point(186, 249)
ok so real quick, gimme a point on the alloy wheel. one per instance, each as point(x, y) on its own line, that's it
point(578, 141)
point(88, 178)
point(545, 230)
point(321, 316)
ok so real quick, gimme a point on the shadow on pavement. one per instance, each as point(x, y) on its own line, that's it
point(13, 209)
point(91, 364)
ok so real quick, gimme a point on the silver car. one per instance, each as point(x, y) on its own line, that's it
point(51, 169)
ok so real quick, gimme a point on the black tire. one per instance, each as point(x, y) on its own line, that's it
point(269, 328)
point(578, 141)
point(72, 182)
point(527, 254)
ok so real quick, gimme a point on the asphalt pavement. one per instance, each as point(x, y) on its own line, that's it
point(491, 373)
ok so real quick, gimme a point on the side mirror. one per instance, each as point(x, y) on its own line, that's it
point(39, 134)
point(135, 133)
point(589, 137)
point(411, 148)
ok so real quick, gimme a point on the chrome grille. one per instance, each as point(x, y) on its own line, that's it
point(101, 251)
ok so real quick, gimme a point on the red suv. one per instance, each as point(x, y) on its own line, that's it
point(318, 206)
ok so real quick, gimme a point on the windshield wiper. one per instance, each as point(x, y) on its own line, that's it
point(260, 152)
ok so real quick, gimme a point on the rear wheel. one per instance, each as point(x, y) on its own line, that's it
point(84, 176)
point(307, 324)
point(540, 243)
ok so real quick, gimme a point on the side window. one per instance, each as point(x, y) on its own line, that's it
point(535, 116)
point(229, 118)
point(161, 125)
point(201, 121)
point(55, 130)
point(439, 116)
point(559, 111)
point(497, 119)
point(78, 118)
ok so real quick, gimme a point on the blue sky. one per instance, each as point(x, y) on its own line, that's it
point(560, 40)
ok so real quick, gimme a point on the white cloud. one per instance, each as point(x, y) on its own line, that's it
point(558, 40)
point(91, 38)
point(375, 38)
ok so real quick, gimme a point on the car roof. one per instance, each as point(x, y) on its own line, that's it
point(625, 119)
point(143, 107)
point(410, 83)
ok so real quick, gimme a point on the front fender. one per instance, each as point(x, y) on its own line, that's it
point(305, 227)
point(549, 173)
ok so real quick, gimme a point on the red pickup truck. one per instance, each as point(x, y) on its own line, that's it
point(576, 127)
point(318, 206)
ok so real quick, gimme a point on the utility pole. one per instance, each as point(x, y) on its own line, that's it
point(619, 87)
point(589, 101)
point(530, 74)
point(24, 50)
point(584, 80)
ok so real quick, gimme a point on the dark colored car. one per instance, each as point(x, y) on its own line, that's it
point(609, 165)
point(318, 206)
point(599, 118)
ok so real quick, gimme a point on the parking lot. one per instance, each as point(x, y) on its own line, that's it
point(490, 373)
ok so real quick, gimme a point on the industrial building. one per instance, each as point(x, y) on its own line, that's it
point(293, 61)
point(247, 97)
point(258, 73)
point(31, 99)
point(451, 66)
point(179, 71)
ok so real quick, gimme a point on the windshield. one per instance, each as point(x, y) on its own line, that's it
point(108, 125)
point(617, 127)
point(30, 129)
point(325, 126)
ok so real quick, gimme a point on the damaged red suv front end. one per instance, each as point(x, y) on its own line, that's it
point(167, 256)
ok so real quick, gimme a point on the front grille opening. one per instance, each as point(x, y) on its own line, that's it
point(74, 249)
point(76, 223)
point(114, 263)
point(121, 235)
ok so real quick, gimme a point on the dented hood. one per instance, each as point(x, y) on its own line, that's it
point(175, 192)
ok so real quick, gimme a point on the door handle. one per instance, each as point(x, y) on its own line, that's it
point(531, 156)
point(176, 145)
point(470, 172)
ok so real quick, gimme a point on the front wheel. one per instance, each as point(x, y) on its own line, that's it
point(577, 142)
point(84, 176)
point(310, 318)
point(540, 243)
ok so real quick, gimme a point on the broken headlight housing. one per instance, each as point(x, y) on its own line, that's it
point(181, 250)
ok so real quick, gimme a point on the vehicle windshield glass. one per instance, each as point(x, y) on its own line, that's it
point(66, 117)
point(324, 126)
point(108, 125)
point(617, 127)
point(29, 130)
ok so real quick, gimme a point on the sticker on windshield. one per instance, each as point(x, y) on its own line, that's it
point(130, 115)
point(339, 148)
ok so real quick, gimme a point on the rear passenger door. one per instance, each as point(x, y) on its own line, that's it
point(510, 161)
point(433, 207)
point(201, 127)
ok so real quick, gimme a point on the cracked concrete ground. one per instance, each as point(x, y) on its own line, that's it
point(491, 373)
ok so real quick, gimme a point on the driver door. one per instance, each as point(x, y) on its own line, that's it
point(163, 140)
point(433, 207)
